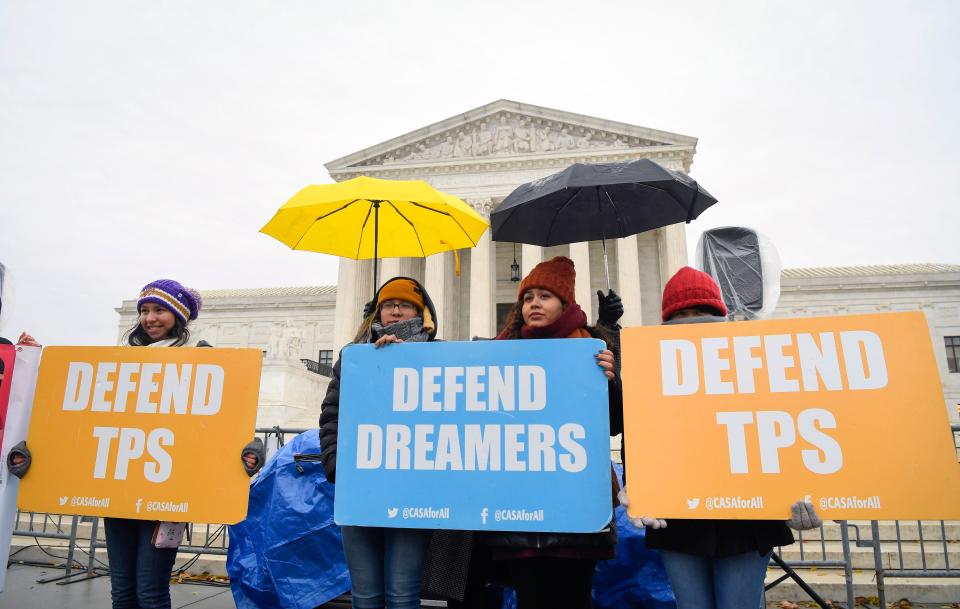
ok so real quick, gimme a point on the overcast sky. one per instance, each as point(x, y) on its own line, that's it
point(153, 139)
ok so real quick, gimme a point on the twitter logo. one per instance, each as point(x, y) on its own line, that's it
point(693, 503)
point(391, 512)
point(63, 500)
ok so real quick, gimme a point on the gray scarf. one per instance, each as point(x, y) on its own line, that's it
point(410, 330)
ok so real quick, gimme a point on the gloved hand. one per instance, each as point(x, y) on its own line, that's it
point(610, 308)
point(368, 308)
point(643, 521)
point(253, 456)
point(803, 517)
point(19, 460)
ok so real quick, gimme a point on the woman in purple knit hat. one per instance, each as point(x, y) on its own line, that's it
point(139, 571)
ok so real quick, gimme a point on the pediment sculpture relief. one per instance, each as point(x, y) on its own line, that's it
point(509, 135)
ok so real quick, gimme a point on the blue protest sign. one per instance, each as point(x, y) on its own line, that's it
point(489, 435)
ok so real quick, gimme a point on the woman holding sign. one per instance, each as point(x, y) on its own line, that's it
point(385, 564)
point(142, 552)
point(547, 570)
point(715, 564)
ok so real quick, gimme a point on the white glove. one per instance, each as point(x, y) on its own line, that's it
point(803, 517)
point(643, 521)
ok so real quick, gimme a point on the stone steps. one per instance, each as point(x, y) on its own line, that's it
point(913, 554)
point(830, 584)
point(909, 530)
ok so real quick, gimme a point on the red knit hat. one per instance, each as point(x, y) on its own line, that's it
point(556, 275)
point(691, 288)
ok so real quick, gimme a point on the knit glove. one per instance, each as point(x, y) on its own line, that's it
point(368, 308)
point(19, 470)
point(610, 309)
point(255, 448)
point(643, 521)
point(803, 517)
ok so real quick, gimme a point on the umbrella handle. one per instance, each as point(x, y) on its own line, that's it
point(456, 259)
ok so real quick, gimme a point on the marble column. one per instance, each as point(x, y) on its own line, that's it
point(531, 256)
point(439, 283)
point(482, 278)
point(628, 281)
point(354, 289)
point(400, 267)
point(672, 243)
point(580, 254)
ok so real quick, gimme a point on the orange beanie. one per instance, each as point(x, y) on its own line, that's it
point(556, 275)
point(400, 289)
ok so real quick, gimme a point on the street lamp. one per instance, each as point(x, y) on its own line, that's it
point(514, 268)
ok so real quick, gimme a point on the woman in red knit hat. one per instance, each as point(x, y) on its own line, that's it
point(547, 570)
point(715, 564)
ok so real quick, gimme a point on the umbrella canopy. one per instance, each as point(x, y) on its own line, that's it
point(367, 218)
point(600, 201)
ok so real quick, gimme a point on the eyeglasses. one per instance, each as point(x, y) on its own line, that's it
point(397, 304)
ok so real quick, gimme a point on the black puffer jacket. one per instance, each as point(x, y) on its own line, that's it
point(330, 408)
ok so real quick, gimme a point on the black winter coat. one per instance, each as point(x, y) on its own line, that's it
point(719, 538)
point(605, 538)
point(329, 419)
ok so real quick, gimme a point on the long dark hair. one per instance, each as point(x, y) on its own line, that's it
point(138, 337)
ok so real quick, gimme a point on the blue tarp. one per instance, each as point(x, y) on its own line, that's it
point(636, 577)
point(288, 553)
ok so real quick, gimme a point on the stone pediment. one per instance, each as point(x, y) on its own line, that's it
point(509, 130)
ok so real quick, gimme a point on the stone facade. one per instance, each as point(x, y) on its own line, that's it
point(294, 324)
point(481, 156)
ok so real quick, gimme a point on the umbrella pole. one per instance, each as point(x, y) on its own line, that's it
point(606, 267)
point(376, 238)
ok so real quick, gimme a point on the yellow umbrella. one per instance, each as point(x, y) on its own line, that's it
point(367, 218)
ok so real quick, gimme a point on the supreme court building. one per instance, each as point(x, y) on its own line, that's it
point(481, 156)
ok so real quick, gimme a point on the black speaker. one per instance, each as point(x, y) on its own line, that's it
point(731, 255)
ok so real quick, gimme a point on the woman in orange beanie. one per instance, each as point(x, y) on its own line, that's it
point(547, 570)
point(385, 564)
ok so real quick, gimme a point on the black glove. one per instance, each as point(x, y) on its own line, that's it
point(255, 448)
point(610, 309)
point(19, 470)
point(368, 308)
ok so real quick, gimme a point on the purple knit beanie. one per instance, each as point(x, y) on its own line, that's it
point(182, 301)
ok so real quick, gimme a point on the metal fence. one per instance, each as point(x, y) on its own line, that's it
point(931, 543)
point(82, 533)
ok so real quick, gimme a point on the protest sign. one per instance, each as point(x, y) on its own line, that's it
point(152, 434)
point(488, 435)
point(740, 420)
point(16, 397)
point(8, 358)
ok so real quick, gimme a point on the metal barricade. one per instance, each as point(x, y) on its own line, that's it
point(816, 557)
point(930, 538)
point(38, 525)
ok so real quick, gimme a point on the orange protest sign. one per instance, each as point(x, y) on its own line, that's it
point(152, 434)
point(740, 420)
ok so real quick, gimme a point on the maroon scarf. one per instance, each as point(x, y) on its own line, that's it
point(571, 324)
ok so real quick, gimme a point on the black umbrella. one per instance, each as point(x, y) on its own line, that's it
point(601, 201)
